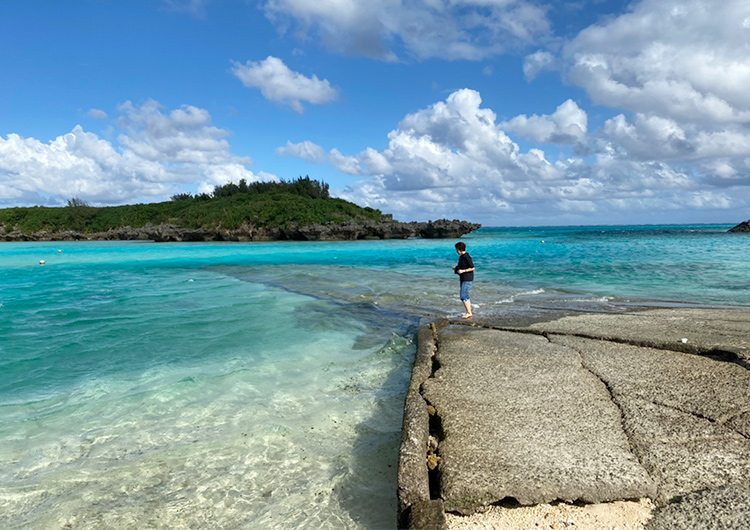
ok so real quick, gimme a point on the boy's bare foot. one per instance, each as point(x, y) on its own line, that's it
point(467, 315)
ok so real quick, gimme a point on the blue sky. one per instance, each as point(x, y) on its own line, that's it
point(504, 112)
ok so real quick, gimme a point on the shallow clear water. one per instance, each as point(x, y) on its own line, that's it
point(261, 385)
point(700, 264)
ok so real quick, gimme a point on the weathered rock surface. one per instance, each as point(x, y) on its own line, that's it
point(413, 480)
point(350, 230)
point(719, 332)
point(590, 408)
point(722, 508)
point(744, 226)
point(522, 418)
point(677, 413)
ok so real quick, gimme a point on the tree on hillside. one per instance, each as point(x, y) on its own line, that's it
point(76, 202)
point(302, 186)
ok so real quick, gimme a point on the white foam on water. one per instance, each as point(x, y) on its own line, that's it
point(512, 299)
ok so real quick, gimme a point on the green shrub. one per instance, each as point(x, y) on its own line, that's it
point(282, 204)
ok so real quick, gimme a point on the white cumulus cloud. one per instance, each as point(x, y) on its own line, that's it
point(454, 159)
point(277, 82)
point(567, 125)
point(537, 62)
point(74, 164)
point(185, 135)
point(687, 60)
point(156, 155)
point(677, 73)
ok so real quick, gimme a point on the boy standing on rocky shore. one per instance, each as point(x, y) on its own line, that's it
point(465, 271)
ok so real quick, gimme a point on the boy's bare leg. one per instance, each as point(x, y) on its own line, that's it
point(467, 305)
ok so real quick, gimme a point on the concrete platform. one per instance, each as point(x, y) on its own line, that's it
point(588, 408)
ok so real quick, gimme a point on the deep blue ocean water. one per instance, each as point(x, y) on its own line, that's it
point(261, 385)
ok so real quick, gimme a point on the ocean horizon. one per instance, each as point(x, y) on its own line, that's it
point(261, 385)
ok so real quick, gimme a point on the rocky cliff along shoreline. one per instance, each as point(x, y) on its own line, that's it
point(347, 231)
point(742, 227)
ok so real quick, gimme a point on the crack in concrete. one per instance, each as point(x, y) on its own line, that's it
point(635, 447)
point(632, 444)
point(715, 354)
point(688, 412)
point(721, 422)
point(436, 435)
point(435, 327)
point(729, 417)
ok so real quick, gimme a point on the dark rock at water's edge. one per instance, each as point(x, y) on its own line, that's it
point(347, 231)
point(742, 227)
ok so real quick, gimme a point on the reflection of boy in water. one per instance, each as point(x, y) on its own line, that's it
point(465, 271)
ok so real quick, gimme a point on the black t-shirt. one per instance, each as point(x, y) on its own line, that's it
point(465, 262)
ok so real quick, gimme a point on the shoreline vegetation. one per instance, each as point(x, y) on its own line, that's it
point(297, 210)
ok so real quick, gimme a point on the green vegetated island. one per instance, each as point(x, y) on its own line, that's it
point(297, 210)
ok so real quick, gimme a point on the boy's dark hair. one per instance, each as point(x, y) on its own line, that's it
point(461, 246)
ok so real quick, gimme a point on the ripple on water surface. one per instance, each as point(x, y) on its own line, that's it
point(154, 400)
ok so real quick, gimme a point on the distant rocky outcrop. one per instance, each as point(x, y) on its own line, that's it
point(346, 231)
point(742, 227)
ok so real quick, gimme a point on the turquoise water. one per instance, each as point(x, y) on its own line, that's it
point(701, 264)
point(260, 385)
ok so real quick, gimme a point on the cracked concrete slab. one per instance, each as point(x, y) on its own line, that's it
point(741, 423)
point(594, 407)
point(680, 468)
point(715, 390)
point(684, 414)
point(723, 508)
point(522, 418)
point(686, 330)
